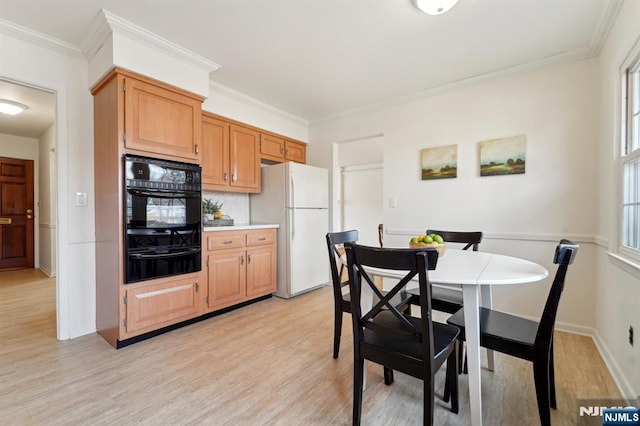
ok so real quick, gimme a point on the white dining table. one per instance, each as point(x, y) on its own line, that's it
point(476, 272)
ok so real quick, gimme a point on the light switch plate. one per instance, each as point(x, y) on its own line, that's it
point(81, 199)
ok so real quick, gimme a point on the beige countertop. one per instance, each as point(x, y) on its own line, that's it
point(241, 227)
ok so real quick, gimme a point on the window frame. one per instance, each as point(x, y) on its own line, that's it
point(629, 141)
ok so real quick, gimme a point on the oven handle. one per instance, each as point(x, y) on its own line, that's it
point(162, 194)
point(164, 255)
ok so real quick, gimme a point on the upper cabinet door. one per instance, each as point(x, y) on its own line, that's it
point(215, 152)
point(271, 146)
point(295, 151)
point(245, 158)
point(163, 121)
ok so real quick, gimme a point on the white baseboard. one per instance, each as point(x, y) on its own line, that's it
point(50, 274)
point(621, 381)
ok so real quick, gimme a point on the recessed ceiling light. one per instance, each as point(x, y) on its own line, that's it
point(11, 108)
point(435, 7)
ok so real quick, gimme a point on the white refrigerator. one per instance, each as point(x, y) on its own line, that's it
point(296, 197)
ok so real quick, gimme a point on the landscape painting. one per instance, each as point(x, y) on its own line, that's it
point(505, 156)
point(439, 162)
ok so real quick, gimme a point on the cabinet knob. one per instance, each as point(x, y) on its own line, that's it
point(225, 176)
point(242, 260)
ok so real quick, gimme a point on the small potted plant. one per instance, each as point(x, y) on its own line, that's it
point(209, 209)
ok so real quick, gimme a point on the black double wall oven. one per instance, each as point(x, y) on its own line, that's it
point(162, 218)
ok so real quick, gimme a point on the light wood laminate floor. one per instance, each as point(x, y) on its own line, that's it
point(268, 363)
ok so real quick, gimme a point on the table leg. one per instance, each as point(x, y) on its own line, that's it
point(471, 299)
point(486, 302)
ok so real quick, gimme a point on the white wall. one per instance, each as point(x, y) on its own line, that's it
point(47, 202)
point(524, 215)
point(60, 71)
point(18, 147)
point(617, 286)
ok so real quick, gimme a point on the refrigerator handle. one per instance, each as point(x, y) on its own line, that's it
point(293, 192)
point(293, 223)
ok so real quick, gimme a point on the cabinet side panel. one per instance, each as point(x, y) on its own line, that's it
point(107, 206)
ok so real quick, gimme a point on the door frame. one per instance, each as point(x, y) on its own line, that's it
point(355, 169)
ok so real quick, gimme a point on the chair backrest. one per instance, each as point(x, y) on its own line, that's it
point(471, 239)
point(335, 241)
point(413, 262)
point(564, 256)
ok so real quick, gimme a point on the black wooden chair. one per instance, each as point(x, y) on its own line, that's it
point(394, 339)
point(526, 339)
point(448, 300)
point(342, 299)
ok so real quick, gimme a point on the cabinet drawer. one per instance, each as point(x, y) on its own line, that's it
point(158, 305)
point(226, 240)
point(261, 237)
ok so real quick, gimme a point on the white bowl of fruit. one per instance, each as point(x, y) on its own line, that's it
point(429, 241)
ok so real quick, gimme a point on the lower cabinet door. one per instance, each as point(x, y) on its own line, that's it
point(227, 278)
point(156, 306)
point(261, 271)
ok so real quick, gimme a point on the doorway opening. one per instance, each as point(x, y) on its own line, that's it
point(28, 207)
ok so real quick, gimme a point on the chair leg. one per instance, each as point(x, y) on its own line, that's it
point(358, 377)
point(337, 331)
point(552, 381)
point(388, 376)
point(541, 379)
point(427, 418)
point(451, 381)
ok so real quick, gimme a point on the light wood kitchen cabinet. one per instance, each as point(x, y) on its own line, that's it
point(215, 152)
point(154, 306)
point(279, 150)
point(230, 156)
point(241, 265)
point(154, 119)
point(134, 114)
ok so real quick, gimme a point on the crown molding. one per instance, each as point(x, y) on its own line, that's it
point(546, 62)
point(604, 25)
point(253, 102)
point(42, 40)
point(597, 43)
point(107, 23)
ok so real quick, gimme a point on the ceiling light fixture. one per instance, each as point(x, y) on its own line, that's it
point(435, 7)
point(11, 108)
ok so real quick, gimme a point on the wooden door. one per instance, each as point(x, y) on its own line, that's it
point(245, 158)
point(161, 121)
point(16, 213)
point(261, 271)
point(227, 278)
point(215, 152)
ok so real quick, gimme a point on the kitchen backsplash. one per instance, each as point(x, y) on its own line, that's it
point(234, 205)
